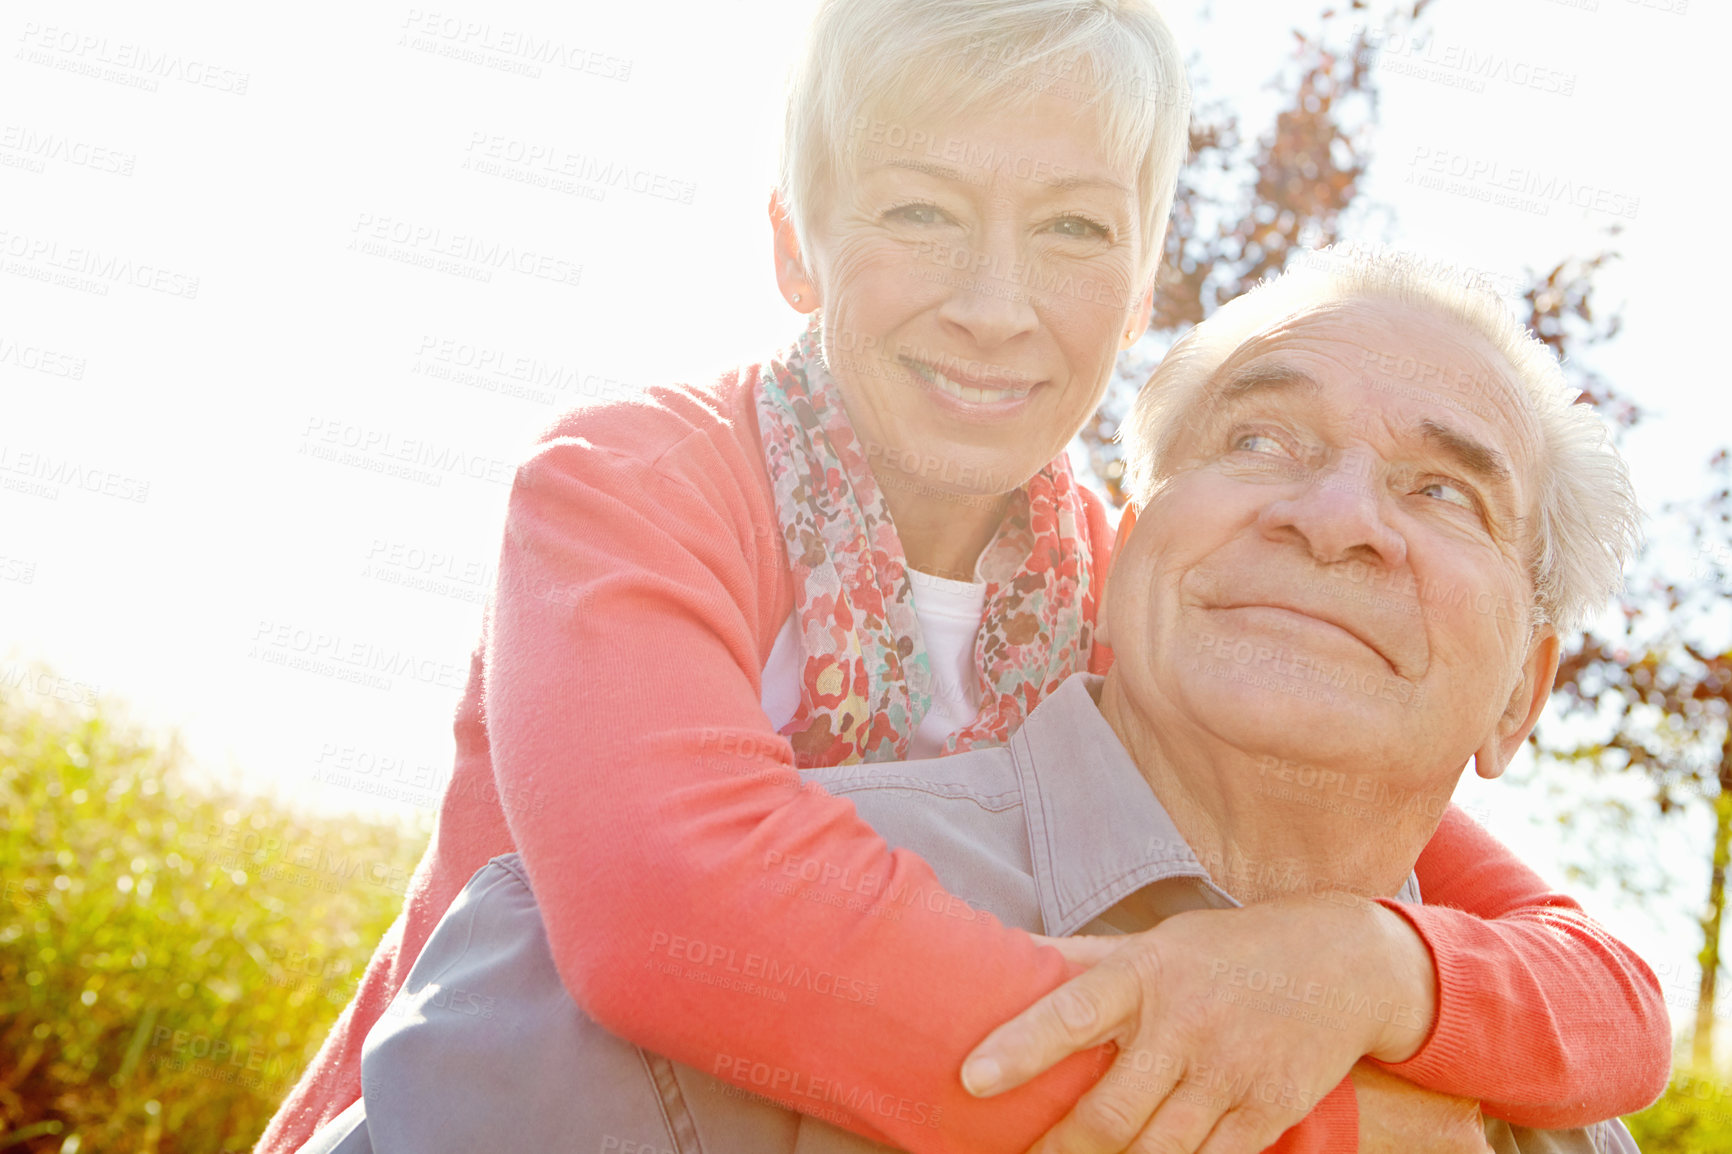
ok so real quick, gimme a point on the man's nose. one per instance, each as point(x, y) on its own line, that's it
point(1338, 516)
point(987, 298)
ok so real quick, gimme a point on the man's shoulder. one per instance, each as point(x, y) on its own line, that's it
point(986, 778)
point(962, 815)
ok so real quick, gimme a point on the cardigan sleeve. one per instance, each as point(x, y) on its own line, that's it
point(1542, 1015)
point(650, 798)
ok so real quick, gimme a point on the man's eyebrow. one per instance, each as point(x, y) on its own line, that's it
point(1470, 453)
point(1475, 456)
point(1255, 380)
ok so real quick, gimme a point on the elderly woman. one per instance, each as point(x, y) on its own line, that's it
point(1268, 466)
point(869, 548)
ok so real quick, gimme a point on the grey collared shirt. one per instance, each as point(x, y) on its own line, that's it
point(1055, 832)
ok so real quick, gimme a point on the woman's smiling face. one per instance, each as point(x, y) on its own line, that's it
point(978, 276)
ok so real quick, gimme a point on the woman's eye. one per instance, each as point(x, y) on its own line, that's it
point(1080, 227)
point(917, 214)
point(1451, 492)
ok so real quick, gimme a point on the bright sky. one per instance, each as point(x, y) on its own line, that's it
point(242, 423)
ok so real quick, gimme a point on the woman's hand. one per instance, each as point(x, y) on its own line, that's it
point(1397, 1117)
point(1231, 1024)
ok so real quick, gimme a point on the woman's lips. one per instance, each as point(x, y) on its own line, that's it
point(990, 396)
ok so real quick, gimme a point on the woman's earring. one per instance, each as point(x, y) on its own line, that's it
point(796, 298)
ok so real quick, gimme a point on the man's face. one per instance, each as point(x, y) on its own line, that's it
point(1337, 565)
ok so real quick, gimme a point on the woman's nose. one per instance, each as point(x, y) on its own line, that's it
point(988, 298)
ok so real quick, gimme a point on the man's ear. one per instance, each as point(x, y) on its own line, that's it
point(1526, 702)
point(1139, 322)
point(1127, 522)
point(791, 277)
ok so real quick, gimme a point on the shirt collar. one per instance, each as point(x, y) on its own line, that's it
point(1096, 831)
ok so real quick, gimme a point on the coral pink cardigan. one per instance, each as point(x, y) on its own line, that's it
point(611, 733)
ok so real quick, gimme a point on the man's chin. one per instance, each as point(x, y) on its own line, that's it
point(1252, 709)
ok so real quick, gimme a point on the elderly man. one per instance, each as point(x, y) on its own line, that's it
point(1364, 509)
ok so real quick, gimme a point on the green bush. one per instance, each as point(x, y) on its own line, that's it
point(1693, 1116)
point(171, 952)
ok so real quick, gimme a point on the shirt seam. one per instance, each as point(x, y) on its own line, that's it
point(992, 803)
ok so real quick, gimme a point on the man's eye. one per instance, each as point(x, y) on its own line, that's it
point(916, 214)
point(1451, 492)
point(1259, 443)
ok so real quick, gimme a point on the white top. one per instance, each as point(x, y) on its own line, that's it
point(950, 613)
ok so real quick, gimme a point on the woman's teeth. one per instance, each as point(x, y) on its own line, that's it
point(964, 392)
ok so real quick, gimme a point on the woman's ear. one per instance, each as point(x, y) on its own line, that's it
point(791, 277)
point(1140, 316)
point(1127, 522)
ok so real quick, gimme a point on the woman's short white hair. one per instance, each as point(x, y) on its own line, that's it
point(872, 61)
point(1586, 523)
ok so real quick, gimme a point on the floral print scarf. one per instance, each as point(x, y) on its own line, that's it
point(867, 682)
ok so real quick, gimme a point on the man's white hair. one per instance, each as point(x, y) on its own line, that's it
point(881, 61)
point(1585, 524)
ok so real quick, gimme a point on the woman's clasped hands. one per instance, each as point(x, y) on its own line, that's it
point(1231, 1026)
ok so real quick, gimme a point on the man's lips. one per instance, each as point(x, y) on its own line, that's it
point(1251, 576)
point(1320, 616)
